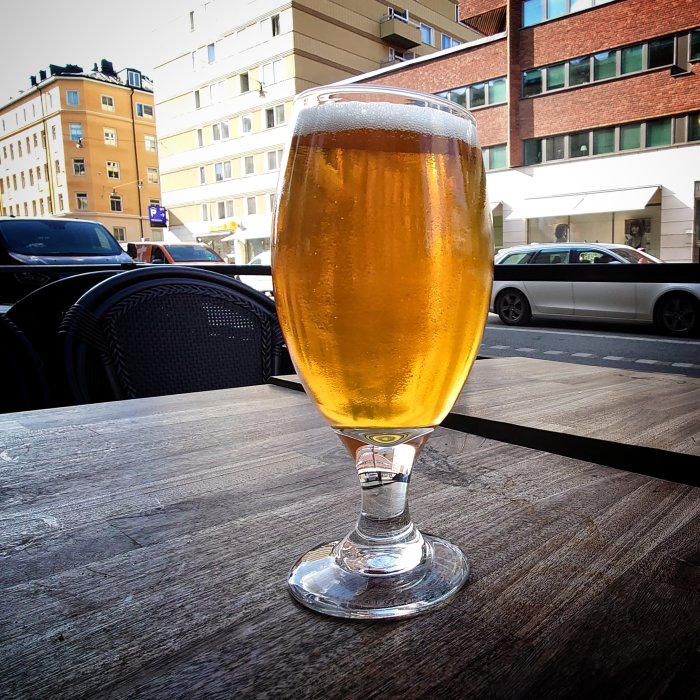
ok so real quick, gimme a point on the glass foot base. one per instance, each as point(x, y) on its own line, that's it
point(320, 583)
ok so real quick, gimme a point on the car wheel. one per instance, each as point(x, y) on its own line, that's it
point(677, 314)
point(513, 308)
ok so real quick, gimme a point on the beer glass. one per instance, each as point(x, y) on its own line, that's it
point(382, 265)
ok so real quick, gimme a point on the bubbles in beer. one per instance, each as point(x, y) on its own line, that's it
point(352, 116)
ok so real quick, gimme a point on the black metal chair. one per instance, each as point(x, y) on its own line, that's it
point(24, 386)
point(157, 331)
point(39, 315)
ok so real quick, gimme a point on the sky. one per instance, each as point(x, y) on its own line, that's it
point(39, 32)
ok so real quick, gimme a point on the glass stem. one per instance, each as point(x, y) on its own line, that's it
point(385, 541)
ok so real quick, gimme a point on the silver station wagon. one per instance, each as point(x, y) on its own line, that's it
point(674, 308)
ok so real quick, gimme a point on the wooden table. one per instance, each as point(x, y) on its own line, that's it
point(144, 547)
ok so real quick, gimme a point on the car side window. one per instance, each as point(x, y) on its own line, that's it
point(517, 259)
point(157, 256)
point(551, 257)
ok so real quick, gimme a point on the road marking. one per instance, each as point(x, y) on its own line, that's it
point(614, 358)
point(525, 349)
point(650, 362)
point(554, 352)
point(582, 354)
point(683, 364)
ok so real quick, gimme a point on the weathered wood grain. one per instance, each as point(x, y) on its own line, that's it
point(144, 547)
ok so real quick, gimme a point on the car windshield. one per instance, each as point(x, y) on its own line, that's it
point(192, 253)
point(57, 237)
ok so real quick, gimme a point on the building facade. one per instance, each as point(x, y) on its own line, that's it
point(224, 100)
point(588, 113)
point(83, 144)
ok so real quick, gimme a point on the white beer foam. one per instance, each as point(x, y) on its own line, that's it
point(350, 116)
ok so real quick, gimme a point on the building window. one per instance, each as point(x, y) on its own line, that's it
point(249, 165)
point(225, 209)
point(60, 203)
point(115, 202)
point(222, 171)
point(695, 45)
point(630, 137)
point(29, 146)
point(556, 76)
point(31, 179)
point(272, 72)
point(191, 20)
point(110, 136)
point(477, 95)
point(41, 207)
point(427, 35)
point(23, 179)
point(133, 78)
point(220, 131)
point(537, 11)
point(57, 165)
point(603, 141)
point(205, 212)
point(532, 82)
point(34, 207)
point(604, 65)
point(661, 52)
point(113, 169)
point(495, 157)
point(246, 123)
point(26, 206)
point(448, 42)
point(81, 201)
point(36, 140)
point(107, 103)
point(659, 132)
point(250, 204)
point(211, 53)
point(75, 131)
point(149, 142)
point(579, 145)
point(245, 82)
point(532, 151)
point(119, 233)
point(197, 100)
point(78, 166)
point(202, 175)
point(579, 71)
point(200, 137)
point(145, 111)
point(694, 127)
point(275, 24)
point(496, 91)
point(72, 98)
point(19, 149)
point(631, 58)
point(152, 175)
point(274, 116)
point(274, 159)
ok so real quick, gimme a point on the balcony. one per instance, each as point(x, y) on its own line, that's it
point(399, 32)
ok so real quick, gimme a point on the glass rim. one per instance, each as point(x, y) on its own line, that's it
point(408, 93)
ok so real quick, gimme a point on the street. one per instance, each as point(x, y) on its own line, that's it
point(628, 347)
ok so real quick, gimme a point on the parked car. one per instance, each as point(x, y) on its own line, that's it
point(263, 283)
point(173, 253)
point(673, 307)
point(57, 241)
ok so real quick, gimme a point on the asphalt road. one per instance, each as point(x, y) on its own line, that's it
point(629, 347)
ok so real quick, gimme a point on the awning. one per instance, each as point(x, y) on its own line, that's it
point(617, 200)
point(559, 205)
point(631, 199)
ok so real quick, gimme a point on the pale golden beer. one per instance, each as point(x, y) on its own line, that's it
point(382, 261)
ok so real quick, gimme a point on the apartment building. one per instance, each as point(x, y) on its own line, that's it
point(223, 100)
point(588, 112)
point(83, 144)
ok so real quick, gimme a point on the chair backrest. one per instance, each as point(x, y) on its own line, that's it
point(24, 386)
point(168, 330)
point(39, 315)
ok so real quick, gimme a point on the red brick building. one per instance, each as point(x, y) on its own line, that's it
point(588, 117)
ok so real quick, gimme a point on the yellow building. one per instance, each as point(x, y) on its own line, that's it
point(82, 144)
point(224, 96)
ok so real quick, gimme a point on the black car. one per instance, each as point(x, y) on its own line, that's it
point(57, 241)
